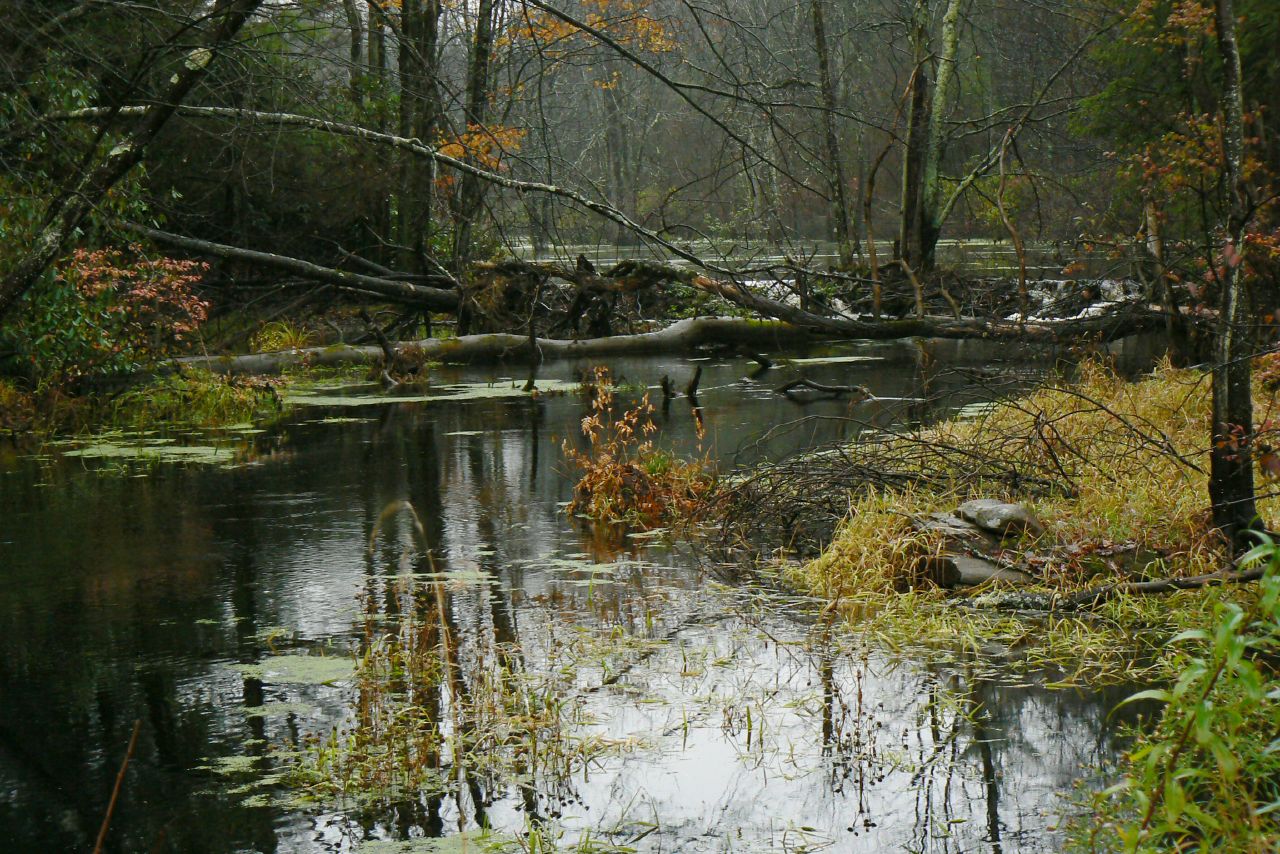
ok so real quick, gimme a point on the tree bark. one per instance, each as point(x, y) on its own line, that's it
point(355, 27)
point(78, 198)
point(935, 147)
point(470, 198)
point(913, 155)
point(680, 336)
point(841, 229)
point(420, 111)
point(1230, 458)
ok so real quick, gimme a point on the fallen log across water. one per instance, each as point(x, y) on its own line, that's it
point(683, 335)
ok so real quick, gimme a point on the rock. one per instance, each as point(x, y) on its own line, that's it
point(1000, 517)
point(963, 571)
point(953, 530)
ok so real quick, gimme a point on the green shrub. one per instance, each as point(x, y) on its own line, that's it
point(1207, 777)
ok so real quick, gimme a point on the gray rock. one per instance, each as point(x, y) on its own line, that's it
point(953, 530)
point(964, 571)
point(1000, 517)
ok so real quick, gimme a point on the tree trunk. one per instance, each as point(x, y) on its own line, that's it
point(839, 201)
point(470, 199)
point(1231, 461)
point(355, 27)
point(419, 118)
point(618, 154)
point(913, 157)
point(432, 298)
point(931, 193)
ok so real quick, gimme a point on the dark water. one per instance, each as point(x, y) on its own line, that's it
point(132, 593)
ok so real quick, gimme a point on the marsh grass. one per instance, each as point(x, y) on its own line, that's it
point(438, 716)
point(1117, 470)
point(194, 398)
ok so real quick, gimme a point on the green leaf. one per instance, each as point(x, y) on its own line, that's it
point(1150, 694)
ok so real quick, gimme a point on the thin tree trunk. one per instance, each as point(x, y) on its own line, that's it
point(68, 210)
point(839, 204)
point(355, 27)
point(868, 218)
point(470, 198)
point(1164, 284)
point(1231, 462)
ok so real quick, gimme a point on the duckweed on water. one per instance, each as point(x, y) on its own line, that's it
point(467, 842)
point(299, 669)
point(155, 450)
point(360, 395)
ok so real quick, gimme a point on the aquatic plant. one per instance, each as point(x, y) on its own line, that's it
point(624, 477)
point(434, 717)
point(281, 335)
point(195, 398)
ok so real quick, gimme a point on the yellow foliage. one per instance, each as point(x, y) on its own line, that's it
point(485, 146)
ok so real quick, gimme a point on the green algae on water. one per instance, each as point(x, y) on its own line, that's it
point(155, 450)
point(468, 842)
point(299, 669)
point(360, 396)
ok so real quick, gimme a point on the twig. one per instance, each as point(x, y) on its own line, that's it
point(115, 791)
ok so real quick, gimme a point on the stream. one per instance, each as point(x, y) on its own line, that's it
point(711, 713)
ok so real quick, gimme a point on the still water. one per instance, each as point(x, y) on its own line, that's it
point(726, 717)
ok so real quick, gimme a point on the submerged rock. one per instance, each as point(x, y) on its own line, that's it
point(1000, 517)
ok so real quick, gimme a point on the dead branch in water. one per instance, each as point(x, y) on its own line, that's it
point(828, 390)
point(115, 791)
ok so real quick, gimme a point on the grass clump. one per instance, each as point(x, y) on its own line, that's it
point(281, 335)
point(1113, 468)
point(195, 398)
point(624, 477)
point(1118, 471)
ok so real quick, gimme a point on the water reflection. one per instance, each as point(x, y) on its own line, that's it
point(734, 722)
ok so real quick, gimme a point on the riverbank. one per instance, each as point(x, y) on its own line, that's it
point(1113, 476)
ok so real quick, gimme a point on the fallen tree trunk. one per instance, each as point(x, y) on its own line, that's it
point(631, 275)
point(1106, 327)
point(495, 347)
point(435, 299)
point(1092, 598)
